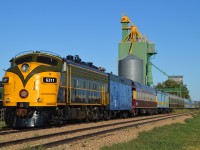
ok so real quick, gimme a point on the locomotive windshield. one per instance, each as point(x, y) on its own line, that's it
point(41, 59)
point(47, 60)
point(23, 60)
point(37, 57)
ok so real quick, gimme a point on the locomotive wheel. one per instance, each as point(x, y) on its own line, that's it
point(150, 112)
point(95, 114)
point(92, 114)
point(106, 115)
point(134, 112)
point(155, 111)
point(87, 119)
point(124, 115)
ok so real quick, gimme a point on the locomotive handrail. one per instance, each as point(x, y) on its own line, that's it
point(24, 52)
point(49, 52)
point(46, 52)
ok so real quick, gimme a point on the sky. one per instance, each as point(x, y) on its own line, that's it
point(92, 30)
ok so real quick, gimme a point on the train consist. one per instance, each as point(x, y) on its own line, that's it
point(42, 88)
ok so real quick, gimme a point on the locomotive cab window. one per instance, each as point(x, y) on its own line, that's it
point(23, 60)
point(47, 60)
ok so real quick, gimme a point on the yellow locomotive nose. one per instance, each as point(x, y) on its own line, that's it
point(31, 87)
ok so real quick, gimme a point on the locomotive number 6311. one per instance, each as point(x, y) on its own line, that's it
point(49, 80)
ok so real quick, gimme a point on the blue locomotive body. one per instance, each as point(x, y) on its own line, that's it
point(120, 93)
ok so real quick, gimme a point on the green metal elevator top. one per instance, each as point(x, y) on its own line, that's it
point(135, 44)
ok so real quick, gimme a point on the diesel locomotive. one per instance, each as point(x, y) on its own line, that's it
point(42, 88)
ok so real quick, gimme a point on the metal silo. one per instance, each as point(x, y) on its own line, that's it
point(131, 68)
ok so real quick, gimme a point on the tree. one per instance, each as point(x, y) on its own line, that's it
point(173, 87)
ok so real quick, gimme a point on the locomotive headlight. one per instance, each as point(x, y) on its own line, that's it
point(5, 80)
point(23, 93)
point(25, 67)
point(7, 100)
point(39, 100)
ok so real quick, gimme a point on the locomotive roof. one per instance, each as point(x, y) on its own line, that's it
point(83, 65)
point(143, 87)
point(42, 57)
point(39, 53)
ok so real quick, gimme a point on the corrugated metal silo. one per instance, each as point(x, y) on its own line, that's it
point(131, 68)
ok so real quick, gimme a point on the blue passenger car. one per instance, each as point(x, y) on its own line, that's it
point(175, 101)
point(187, 103)
point(195, 104)
point(163, 101)
point(120, 90)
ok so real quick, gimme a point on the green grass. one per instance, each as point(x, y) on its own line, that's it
point(170, 137)
point(182, 110)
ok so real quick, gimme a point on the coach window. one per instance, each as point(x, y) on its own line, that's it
point(76, 83)
point(93, 86)
point(84, 85)
point(139, 95)
point(143, 96)
point(81, 83)
point(89, 85)
point(99, 86)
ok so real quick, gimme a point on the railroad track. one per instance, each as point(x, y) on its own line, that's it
point(17, 131)
point(8, 131)
point(115, 127)
point(13, 131)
